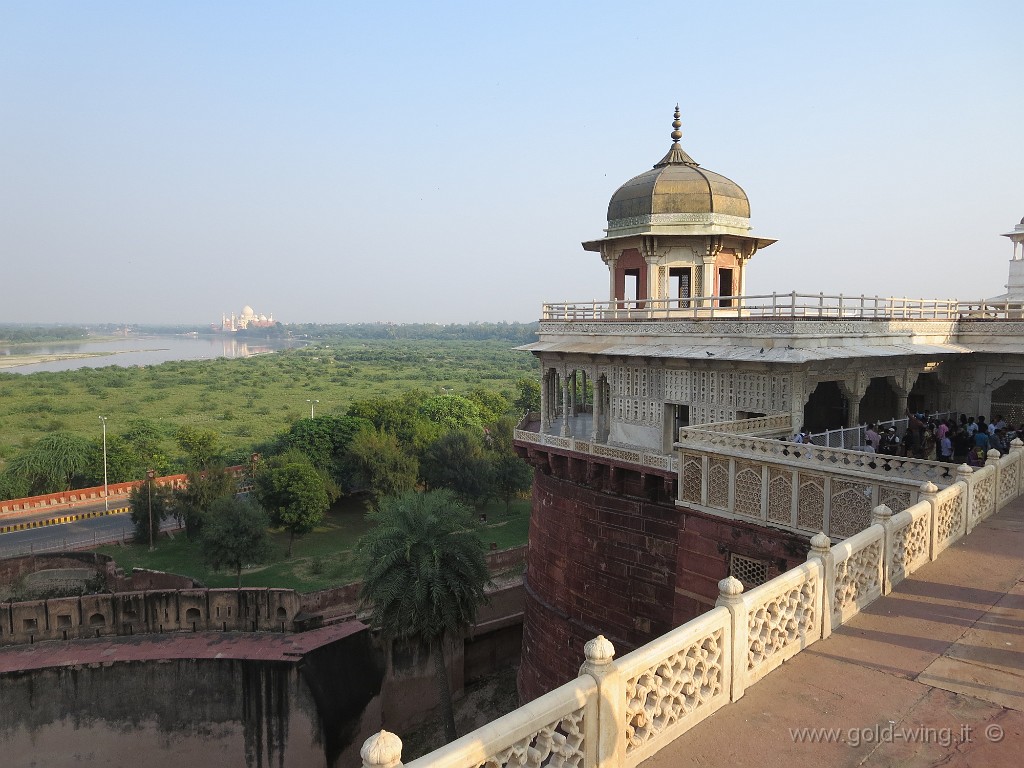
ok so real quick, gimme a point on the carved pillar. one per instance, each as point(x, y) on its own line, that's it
point(707, 287)
point(545, 405)
point(854, 388)
point(610, 259)
point(595, 425)
point(565, 407)
point(573, 400)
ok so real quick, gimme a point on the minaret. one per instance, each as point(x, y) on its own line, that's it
point(1015, 282)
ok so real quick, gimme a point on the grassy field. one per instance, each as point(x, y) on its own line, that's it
point(321, 559)
point(247, 401)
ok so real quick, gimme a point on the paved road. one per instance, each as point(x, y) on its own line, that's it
point(78, 535)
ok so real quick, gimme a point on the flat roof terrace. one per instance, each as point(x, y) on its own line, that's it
point(779, 328)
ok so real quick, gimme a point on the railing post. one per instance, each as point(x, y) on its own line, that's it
point(882, 515)
point(963, 474)
point(927, 493)
point(1016, 446)
point(609, 732)
point(821, 548)
point(382, 750)
point(730, 595)
point(992, 460)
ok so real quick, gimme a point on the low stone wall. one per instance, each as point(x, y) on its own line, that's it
point(143, 579)
point(117, 491)
point(15, 568)
point(130, 613)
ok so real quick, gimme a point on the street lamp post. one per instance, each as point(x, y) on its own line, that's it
point(150, 474)
point(312, 404)
point(106, 491)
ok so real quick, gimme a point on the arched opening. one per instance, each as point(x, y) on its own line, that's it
point(281, 613)
point(926, 395)
point(97, 620)
point(826, 408)
point(193, 614)
point(879, 403)
point(1008, 402)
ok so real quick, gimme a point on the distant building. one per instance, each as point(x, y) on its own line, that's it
point(245, 320)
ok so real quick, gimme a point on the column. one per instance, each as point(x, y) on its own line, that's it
point(853, 412)
point(545, 401)
point(595, 427)
point(565, 407)
point(573, 395)
point(610, 262)
point(707, 287)
point(652, 281)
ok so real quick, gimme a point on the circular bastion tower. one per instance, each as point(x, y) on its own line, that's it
point(610, 551)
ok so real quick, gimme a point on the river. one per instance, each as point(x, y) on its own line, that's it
point(130, 351)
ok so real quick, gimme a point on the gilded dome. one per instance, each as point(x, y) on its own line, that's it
point(676, 193)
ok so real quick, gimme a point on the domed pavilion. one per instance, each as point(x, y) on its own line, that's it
point(677, 231)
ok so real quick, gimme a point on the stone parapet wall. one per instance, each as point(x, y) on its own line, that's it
point(116, 491)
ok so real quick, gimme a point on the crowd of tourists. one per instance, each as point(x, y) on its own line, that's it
point(966, 440)
point(963, 440)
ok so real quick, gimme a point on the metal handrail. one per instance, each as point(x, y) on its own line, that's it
point(783, 305)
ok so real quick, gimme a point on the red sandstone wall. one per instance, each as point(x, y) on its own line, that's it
point(622, 566)
point(597, 564)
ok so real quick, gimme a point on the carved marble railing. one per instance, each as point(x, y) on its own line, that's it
point(910, 542)
point(671, 684)
point(814, 456)
point(617, 453)
point(619, 712)
point(559, 728)
point(803, 488)
point(772, 424)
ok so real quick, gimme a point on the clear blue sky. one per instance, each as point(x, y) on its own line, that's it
point(442, 161)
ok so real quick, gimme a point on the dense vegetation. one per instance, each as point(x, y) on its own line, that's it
point(393, 417)
point(245, 403)
point(30, 334)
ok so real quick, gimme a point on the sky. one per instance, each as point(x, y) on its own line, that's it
point(339, 162)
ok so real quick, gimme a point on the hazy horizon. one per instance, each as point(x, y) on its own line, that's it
point(441, 162)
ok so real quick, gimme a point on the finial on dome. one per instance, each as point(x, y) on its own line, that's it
point(676, 155)
point(676, 125)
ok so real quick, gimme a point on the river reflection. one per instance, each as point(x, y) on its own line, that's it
point(137, 350)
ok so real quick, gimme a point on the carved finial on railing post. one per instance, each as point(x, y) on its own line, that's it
point(821, 545)
point(992, 457)
point(881, 514)
point(382, 750)
point(1016, 445)
point(599, 654)
point(730, 591)
point(963, 471)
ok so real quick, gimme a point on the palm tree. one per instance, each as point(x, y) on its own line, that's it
point(425, 575)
